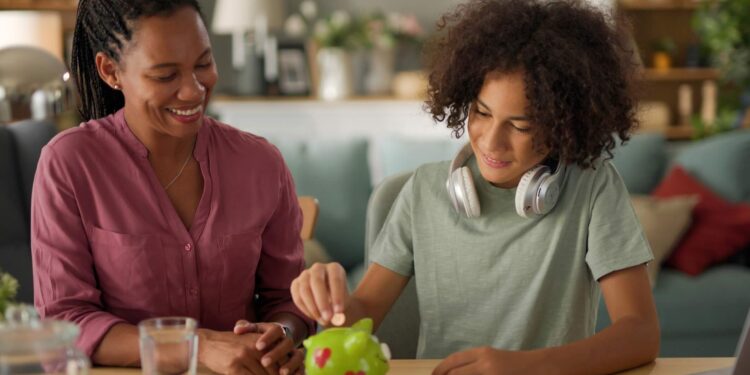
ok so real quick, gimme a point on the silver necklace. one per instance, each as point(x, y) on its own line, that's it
point(184, 164)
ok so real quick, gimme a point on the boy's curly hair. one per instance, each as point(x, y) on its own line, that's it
point(577, 68)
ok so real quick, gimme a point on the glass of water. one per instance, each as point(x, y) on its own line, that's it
point(169, 346)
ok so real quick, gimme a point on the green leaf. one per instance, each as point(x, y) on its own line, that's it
point(724, 27)
point(8, 290)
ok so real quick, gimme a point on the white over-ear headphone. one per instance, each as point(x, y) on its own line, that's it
point(536, 194)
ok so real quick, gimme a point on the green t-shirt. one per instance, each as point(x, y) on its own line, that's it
point(503, 280)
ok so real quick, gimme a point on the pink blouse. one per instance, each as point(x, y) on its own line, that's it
point(109, 247)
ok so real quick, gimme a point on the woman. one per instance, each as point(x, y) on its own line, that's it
point(543, 89)
point(150, 209)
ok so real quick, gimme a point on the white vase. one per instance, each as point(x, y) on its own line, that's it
point(335, 74)
point(380, 73)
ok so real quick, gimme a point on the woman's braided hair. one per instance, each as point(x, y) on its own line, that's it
point(104, 26)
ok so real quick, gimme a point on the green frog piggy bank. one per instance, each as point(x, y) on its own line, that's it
point(346, 351)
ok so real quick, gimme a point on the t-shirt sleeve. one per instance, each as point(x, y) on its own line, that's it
point(615, 238)
point(393, 246)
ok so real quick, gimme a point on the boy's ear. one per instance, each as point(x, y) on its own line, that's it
point(108, 70)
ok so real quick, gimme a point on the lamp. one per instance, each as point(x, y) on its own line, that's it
point(238, 17)
point(34, 84)
point(31, 28)
point(34, 81)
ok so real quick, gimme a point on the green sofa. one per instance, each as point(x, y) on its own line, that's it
point(700, 316)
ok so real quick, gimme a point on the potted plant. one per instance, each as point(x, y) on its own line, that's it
point(8, 290)
point(384, 33)
point(724, 121)
point(664, 50)
point(334, 37)
point(723, 28)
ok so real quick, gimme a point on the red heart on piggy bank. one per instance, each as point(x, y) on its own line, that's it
point(321, 356)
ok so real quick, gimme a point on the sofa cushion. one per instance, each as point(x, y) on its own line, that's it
point(397, 155)
point(721, 163)
point(641, 162)
point(15, 259)
point(13, 224)
point(30, 136)
point(719, 229)
point(708, 310)
point(664, 221)
point(336, 172)
point(717, 300)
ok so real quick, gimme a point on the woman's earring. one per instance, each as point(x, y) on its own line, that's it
point(116, 86)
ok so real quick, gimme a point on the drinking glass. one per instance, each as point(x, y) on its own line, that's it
point(169, 346)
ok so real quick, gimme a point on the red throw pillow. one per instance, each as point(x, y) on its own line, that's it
point(719, 229)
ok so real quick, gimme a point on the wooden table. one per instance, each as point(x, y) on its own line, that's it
point(662, 366)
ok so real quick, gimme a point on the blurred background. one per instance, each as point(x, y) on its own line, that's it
point(695, 57)
point(338, 86)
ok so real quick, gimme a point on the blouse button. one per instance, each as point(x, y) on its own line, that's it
point(188, 247)
point(193, 291)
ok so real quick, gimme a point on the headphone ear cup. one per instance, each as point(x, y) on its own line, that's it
point(466, 193)
point(460, 184)
point(526, 193)
point(523, 186)
point(549, 191)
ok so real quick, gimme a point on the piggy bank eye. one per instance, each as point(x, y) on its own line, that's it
point(321, 356)
point(386, 351)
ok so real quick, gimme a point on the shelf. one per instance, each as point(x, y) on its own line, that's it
point(680, 74)
point(659, 4)
point(679, 132)
point(673, 132)
point(53, 5)
point(223, 97)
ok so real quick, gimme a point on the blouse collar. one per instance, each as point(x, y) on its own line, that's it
point(137, 147)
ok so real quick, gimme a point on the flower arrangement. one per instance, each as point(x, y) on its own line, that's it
point(299, 24)
point(8, 290)
point(341, 29)
point(354, 54)
point(337, 30)
point(385, 30)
